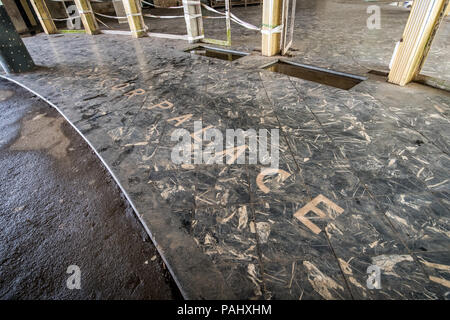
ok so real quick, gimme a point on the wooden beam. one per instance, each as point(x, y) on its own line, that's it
point(194, 21)
point(44, 16)
point(288, 26)
point(271, 30)
point(120, 10)
point(28, 12)
point(228, 25)
point(421, 27)
point(70, 24)
point(135, 20)
point(87, 16)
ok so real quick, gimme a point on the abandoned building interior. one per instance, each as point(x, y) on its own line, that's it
point(109, 110)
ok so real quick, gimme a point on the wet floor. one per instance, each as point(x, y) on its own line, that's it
point(59, 207)
point(374, 156)
point(377, 153)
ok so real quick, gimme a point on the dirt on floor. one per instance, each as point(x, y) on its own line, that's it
point(59, 207)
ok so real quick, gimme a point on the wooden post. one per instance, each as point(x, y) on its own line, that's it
point(421, 27)
point(228, 25)
point(271, 30)
point(227, 20)
point(87, 16)
point(44, 16)
point(70, 24)
point(287, 29)
point(194, 21)
point(135, 19)
point(28, 12)
point(120, 10)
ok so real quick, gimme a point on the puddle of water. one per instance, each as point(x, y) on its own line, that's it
point(216, 53)
point(315, 74)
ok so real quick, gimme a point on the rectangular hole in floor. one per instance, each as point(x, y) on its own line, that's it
point(330, 78)
point(379, 73)
point(222, 54)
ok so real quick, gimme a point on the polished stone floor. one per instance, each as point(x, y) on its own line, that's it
point(374, 159)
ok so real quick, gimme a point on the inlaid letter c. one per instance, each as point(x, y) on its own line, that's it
point(270, 171)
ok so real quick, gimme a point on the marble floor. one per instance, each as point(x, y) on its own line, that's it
point(374, 159)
